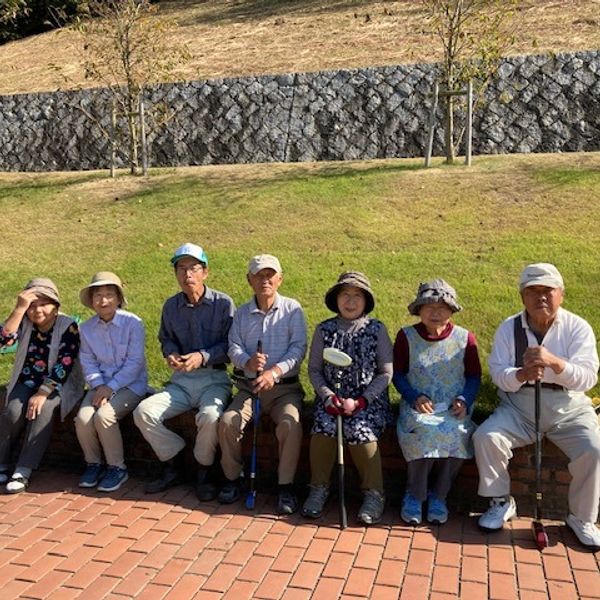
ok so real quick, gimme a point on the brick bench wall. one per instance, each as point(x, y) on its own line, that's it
point(64, 452)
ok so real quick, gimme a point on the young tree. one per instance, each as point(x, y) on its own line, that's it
point(475, 35)
point(124, 47)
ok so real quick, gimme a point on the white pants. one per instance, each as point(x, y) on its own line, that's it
point(567, 419)
point(207, 390)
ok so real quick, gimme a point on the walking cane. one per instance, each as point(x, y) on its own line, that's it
point(340, 360)
point(539, 533)
point(251, 496)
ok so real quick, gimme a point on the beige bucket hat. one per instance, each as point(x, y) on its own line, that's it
point(43, 286)
point(98, 279)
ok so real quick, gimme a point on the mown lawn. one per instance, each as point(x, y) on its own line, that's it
point(392, 219)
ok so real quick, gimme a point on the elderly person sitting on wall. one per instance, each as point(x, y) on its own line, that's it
point(437, 372)
point(46, 378)
point(548, 343)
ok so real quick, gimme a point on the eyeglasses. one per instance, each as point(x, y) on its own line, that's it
point(194, 269)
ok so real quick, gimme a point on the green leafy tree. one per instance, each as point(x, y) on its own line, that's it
point(475, 35)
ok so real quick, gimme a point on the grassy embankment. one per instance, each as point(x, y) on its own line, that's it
point(395, 221)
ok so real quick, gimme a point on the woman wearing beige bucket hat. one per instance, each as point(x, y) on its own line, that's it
point(114, 366)
point(46, 377)
point(437, 372)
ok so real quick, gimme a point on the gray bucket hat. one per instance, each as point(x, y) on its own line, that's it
point(43, 286)
point(433, 291)
point(98, 279)
point(355, 279)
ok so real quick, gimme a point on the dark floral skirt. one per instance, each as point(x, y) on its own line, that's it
point(361, 428)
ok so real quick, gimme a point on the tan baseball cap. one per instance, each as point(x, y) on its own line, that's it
point(263, 261)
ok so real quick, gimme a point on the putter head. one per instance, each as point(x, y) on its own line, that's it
point(336, 357)
point(539, 535)
point(251, 500)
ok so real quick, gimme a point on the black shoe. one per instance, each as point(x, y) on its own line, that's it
point(230, 492)
point(205, 489)
point(287, 502)
point(172, 474)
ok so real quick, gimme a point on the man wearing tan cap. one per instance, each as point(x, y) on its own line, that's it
point(271, 373)
point(548, 343)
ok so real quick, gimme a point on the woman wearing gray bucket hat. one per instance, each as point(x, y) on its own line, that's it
point(437, 372)
point(358, 392)
point(114, 366)
point(46, 377)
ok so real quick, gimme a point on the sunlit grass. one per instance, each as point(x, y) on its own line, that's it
point(398, 223)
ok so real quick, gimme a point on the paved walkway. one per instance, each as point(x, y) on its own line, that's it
point(58, 543)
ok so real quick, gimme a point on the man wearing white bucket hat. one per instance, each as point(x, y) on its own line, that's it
point(543, 343)
point(193, 335)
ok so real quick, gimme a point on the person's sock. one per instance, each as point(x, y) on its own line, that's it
point(24, 472)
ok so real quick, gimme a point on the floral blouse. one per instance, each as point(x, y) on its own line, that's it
point(35, 368)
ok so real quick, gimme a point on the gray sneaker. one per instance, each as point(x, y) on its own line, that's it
point(314, 504)
point(372, 507)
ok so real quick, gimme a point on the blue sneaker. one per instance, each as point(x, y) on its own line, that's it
point(411, 512)
point(92, 475)
point(437, 511)
point(113, 480)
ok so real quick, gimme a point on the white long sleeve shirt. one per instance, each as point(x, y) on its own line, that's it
point(570, 337)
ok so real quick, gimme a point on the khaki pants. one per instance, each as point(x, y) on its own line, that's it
point(204, 389)
point(98, 428)
point(283, 404)
point(567, 419)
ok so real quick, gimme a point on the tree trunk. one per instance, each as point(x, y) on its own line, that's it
point(133, 132)
point(450, 130)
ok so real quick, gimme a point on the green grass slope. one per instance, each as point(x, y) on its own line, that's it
point(395, 221)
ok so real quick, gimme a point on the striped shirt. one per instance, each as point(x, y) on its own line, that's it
point(282, 331)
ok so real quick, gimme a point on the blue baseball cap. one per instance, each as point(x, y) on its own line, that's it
point(189, 250)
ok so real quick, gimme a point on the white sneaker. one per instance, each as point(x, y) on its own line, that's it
point(587, 533)
point(499, 512)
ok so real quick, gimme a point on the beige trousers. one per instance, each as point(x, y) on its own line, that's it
point(283, 404)
point(98, 428)
point(206, 390)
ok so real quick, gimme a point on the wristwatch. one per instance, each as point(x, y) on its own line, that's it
point(276, 377)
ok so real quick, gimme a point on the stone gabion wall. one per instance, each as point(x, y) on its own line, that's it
point(537, 104)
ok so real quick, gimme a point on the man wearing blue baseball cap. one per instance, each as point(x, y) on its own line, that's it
point(193, 335)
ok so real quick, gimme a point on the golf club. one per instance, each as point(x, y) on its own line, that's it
point(251, 496)
point(341, 360)
point(539, 533)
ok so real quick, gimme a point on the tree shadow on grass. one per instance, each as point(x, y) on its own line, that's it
point(209, 183)
point(256, 10)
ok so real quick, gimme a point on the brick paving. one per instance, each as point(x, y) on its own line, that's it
point(60, 543)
